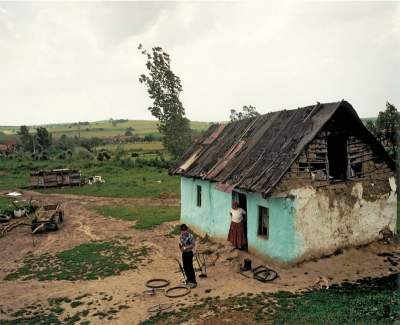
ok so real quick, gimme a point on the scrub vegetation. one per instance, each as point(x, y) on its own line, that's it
point(84, 310)
point(145, 217)
point(89, 261)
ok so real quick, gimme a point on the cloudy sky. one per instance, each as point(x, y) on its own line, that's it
point(63, 62)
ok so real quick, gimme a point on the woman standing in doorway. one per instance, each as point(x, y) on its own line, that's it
point(236, 232)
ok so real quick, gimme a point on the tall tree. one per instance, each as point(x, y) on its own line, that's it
point(164, 88)
point(43, 139)
point(25, 138)
point(247, 111)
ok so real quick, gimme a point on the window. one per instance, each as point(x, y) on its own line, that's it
point(198, 195)
point(263, 222)
point(356, 169)
point(337, 156)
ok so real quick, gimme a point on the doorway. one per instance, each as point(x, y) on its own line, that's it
point(337, 156)
point(241, 199)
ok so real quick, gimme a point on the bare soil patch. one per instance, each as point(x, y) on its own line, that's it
point(105, 296)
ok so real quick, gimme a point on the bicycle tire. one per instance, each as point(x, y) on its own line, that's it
point(169, 295)
point(265, 275)
point(164, 283)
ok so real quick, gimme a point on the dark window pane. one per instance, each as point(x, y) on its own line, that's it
point(198, 195)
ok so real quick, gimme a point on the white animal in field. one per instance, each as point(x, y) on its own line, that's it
point(95, 180)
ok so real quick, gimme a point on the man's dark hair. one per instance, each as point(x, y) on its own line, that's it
point(184, 227)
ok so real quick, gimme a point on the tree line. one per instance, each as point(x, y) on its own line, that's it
point(386, 129)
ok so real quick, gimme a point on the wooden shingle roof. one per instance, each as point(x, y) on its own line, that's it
point(253, 154)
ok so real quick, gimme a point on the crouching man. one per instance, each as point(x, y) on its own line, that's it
point(187, 244)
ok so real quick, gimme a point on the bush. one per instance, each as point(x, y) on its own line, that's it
point(119, 153)
point(103, 155)
point(82, 153)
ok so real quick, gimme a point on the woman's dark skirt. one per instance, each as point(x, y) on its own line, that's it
point(236, 234)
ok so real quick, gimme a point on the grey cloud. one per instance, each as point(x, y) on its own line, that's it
point(79, 61)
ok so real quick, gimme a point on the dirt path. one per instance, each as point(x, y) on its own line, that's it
point(87, 199)
point(83, 224)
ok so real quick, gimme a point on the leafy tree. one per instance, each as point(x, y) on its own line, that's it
point(128, 133)
point(43, 139)
point(89, 143)
point(148, 138)
point(64, 143)
point(371, 126)
point(386, 128)
point(164, 88)
point(25, 138)
point(247, 111)
point(387, 125)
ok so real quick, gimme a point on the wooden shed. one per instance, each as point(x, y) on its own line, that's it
point(56, 178)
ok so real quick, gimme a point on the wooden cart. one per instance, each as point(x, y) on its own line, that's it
point(48, 217)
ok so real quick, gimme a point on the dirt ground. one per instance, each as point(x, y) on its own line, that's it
point(83, 224)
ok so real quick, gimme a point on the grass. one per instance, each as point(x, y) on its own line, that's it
point(50, 318)
point(145, 217)
point(337, 307)
point(56, 311)
point(135, 146)
point(89, 261)
point(4, 204)
point(120, 181)
point(356, 305)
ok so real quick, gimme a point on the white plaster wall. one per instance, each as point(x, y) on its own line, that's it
point(322, 226)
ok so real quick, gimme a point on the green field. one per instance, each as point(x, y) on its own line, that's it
point(119, 181)
point(146, 217)
point(135, 146)
point(104, 129)
point(99, 129)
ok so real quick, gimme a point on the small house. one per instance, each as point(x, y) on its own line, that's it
point(312, 180)
point(55, 178)
point(8, 147)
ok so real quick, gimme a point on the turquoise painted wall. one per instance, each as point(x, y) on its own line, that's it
point(213, 215)
point(213, 218)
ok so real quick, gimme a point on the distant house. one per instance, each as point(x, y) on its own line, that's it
point(8, 147)
point(55, 178)
point(312, 180)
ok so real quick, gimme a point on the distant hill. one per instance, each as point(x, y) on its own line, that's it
point(99, 129)
point(103, 129)
point(365, 119)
